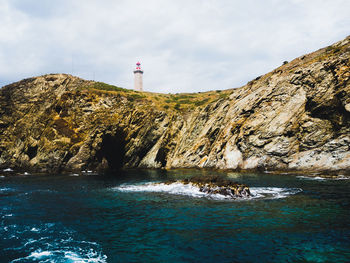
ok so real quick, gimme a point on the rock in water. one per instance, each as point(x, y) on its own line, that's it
point(218, 185)
point(295, 117)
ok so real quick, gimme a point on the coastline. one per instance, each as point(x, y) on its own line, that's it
point(296, 117)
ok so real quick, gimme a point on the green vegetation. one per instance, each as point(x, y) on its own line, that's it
point(135, 96)
point(185, 102)
point(179, 101)
point(107, 87)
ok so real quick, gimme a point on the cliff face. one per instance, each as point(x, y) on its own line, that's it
point(295, 117)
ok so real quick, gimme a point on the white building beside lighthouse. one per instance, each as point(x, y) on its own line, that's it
point(138, 85)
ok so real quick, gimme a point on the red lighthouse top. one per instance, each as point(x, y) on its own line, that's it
point(138, 68)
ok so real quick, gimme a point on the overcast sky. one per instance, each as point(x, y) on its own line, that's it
point(183, 45)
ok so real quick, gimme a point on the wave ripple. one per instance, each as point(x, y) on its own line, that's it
point(50, 243)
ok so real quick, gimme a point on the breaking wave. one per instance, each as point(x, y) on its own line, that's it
point(273, 192)
point(48, 243)
point(63, 256)
point(179, 188)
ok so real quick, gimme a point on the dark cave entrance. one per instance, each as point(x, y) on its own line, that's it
point(112, 152)
point(32, 151)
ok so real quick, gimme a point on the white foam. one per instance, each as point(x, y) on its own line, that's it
point(316, 178)
point(342, 177)
point(319, 178)
point(2, 176)
point(46, 249)
point(72, 256)
point(36, 255)
point(6, 189)
point(89, 172)
point(91, 256)
point(273, 192)
point(40, 254)
point(191, 190)
point(267, 172)
point(173, 188)
point(64, 256)
point(6, 215)
point(74, 175)
point(8, 170)
point(29, 242)
point(26, 173)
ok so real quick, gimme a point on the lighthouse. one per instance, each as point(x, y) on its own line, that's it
point(138, 77)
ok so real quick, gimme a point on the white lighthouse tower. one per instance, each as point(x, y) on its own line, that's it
point(138, 77)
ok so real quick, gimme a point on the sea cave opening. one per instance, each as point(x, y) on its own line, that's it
point(112, 151)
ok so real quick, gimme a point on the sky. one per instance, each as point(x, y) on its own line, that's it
point(183, 45)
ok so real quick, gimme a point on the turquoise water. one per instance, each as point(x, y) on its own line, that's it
point(125, 218)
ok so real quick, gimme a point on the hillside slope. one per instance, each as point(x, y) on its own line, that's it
point(295, 117)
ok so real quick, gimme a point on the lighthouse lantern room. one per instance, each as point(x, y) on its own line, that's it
point(138, 72)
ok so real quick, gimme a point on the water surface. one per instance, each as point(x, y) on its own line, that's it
point(124, 217)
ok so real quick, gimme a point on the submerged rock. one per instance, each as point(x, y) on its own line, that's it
point(219, 185)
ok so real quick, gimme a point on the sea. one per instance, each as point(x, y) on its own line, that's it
point(136, 216)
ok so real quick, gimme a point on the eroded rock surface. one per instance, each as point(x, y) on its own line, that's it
point(295, 117)
point(217, 185)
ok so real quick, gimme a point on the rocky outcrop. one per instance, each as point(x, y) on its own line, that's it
point(218, 185)
point(296, 117)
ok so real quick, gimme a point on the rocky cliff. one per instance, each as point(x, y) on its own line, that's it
point(295, 117)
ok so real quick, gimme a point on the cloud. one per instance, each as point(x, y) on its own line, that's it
point(184, 46)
